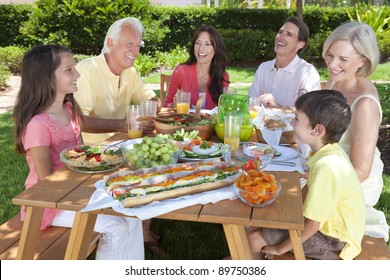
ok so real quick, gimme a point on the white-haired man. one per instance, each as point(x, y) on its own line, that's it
point(108, 82)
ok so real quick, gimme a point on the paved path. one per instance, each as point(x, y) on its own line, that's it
point(7, 98)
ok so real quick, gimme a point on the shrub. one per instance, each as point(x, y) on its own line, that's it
point(82, 24)
point(79, 57)
point(384, 45)
point(249, 46)
point(11, 18)
point(4, 74)
point(144, 64)
point(378, 17)
point(12, 57)
point(170, 59)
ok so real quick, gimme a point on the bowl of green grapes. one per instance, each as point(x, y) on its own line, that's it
point(151, 151)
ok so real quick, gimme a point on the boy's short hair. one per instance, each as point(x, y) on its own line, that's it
point(329, 108)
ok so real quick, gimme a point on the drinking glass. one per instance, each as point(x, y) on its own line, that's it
point(149, 108)
point(232, 130)
point(134, 128)
point(229, 90)
point(254, 106)
point(183, 102)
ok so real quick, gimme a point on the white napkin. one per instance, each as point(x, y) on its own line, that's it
point(272, 136)
point(276, 167)
point(259, 120)
point(101, 199)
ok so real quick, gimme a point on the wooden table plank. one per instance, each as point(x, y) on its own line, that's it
point(79, 197)
point(80, 237)
point(296, 242)
point(190, 213)
point(30, 233)
point(48, 192)
point(226, 212)
point(237, 240)
point(286, 211)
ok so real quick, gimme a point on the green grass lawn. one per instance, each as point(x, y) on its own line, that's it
point(182, 240)
point(245, 75)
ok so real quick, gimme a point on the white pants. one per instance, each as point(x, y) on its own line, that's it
point(122, 237)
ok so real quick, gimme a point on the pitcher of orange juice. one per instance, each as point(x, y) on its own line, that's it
point(234, 104)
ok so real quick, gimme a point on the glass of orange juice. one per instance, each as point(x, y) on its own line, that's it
point(183, 102)
point(254, 106)
point(134, 128)
point(232, 130)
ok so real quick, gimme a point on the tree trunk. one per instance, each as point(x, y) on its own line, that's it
point(299, 9)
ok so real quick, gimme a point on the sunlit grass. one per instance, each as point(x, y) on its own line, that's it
point(245, 75)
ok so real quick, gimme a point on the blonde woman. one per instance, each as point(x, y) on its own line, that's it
point(351, 54)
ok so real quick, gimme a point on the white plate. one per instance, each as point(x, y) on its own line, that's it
point(199, 151)
point(287, 153)
point(127, 145)
point(185, 159)
point(247, 149)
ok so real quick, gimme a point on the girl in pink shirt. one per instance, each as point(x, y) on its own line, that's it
point(47, 120)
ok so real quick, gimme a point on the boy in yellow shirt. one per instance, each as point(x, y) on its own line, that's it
point(333, 205)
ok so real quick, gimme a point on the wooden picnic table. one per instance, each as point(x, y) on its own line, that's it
point(69, 190)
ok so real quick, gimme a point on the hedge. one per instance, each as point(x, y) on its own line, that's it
point(248, 33)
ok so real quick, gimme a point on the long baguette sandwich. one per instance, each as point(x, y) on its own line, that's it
point(189, 179)
point(152, 175)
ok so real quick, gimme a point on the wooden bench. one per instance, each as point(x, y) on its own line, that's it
point(372, 249)
point(51, 245)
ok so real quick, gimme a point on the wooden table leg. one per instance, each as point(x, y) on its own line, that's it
point(30, 233)
point(296, 241)
point(238, 242)
point(80, 236)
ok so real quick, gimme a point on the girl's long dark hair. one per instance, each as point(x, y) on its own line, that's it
point(218, 63)
point(38, 89)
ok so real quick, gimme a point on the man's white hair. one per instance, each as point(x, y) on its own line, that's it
point(115, 29)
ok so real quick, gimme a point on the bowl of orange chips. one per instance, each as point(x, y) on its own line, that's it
point(257, 188)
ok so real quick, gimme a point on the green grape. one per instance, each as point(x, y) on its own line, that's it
point(166, 157)
point(152, 152)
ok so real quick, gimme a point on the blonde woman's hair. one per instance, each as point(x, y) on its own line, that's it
point(363, 40)
point(115, 29)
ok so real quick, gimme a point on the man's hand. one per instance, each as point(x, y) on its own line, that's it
point(147, 127)
point(269, 100)
point(159, 104)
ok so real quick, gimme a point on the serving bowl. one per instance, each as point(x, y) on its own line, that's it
point(148, 152)
point(251, 155)
point(257, 188)
point(205, 127)
point(92, 159)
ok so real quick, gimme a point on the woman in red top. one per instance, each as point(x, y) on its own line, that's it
point(204, 72)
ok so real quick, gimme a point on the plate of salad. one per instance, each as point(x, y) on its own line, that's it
point(182, 136)
point(92, 159)
point(203, 150)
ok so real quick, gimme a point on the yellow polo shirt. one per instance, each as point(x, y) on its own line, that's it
point(335, 198)
point(104, 95)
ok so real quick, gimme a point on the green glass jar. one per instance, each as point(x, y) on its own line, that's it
point(234, 104)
